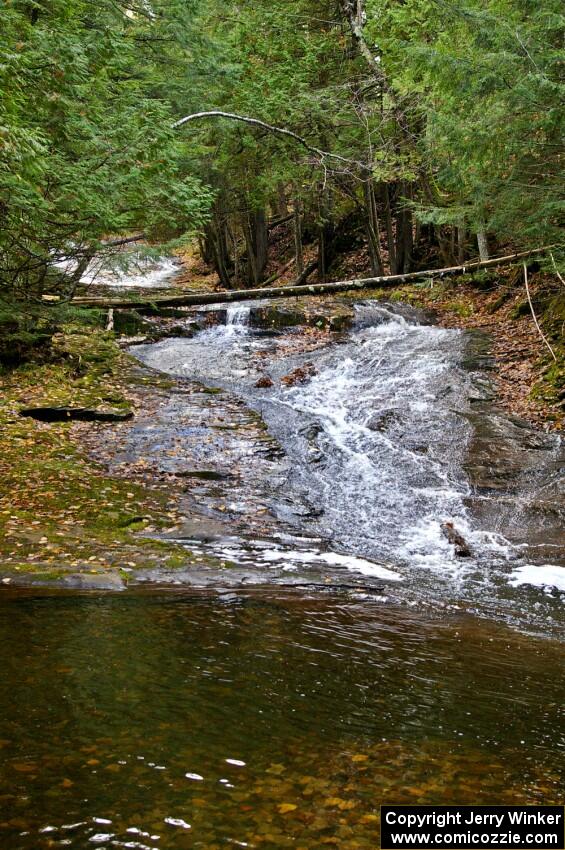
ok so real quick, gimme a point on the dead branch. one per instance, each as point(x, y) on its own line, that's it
point(271, 128)
point(201, 298)
point(541, 333)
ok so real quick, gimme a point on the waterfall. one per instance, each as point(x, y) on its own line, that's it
point(377, 445)
point(237, 315)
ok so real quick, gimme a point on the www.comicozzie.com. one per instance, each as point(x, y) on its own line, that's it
point(477, 827)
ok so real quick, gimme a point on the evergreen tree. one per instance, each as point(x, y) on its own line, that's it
point(87, 148)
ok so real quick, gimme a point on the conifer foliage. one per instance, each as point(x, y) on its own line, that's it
point(443, 122)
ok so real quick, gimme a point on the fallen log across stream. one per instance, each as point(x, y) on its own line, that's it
point(219, 297)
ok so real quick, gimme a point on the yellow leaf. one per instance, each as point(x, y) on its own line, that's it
point(277, 769)
point(284, 808)
point(359, 758)
point(334, 801)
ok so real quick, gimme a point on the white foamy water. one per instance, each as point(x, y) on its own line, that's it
point(237, 316)
point(547, 576)
point(376, 442)
point(391, 442)
point(291, 559)
point(143, 272)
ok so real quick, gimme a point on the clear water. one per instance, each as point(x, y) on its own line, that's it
point(260, 720)
point(267, 718)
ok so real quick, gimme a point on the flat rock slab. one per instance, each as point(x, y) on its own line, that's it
point(108, 581)
point(82, 414)
point(83, 581)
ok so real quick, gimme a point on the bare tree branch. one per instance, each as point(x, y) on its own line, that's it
point(541, 333)
point(281, 131)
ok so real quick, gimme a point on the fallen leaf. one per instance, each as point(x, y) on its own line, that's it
point(284, 808)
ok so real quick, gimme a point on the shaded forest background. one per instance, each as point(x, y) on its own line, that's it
point(430, 132)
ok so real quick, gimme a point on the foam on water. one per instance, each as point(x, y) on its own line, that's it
point(291, 559)
point(547, 576)
point(143, 272)
point(350, 562)
point(377, 442)
point(391, 445)
point(237, 317)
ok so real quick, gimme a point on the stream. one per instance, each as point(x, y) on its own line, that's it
point(329, 651)
point(393, 435)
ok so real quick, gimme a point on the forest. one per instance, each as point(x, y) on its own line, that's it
point(282, 398)
point(431, 131)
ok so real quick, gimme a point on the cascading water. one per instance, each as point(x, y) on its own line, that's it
point(376, 441)
point(141, 271)
point(388, 447)
point(237, 316)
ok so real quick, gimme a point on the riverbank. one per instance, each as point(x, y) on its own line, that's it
point(65, 519)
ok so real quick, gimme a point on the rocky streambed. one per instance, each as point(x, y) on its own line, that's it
point(330, 447)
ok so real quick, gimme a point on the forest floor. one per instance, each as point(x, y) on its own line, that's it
point(63, 517)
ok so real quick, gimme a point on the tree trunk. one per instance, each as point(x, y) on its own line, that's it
point(461, 243)
point(326, 250)
point(483, 245)
point(201, 298)
point(261, 243)
point(233, 237)
point(389, 228)
point(372, 226)
point(282, 204)
point(257, 244)
point(298, 237)
point(218, 252)
point(404, 234)
point(443, 242)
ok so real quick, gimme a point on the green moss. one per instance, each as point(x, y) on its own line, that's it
point(520, 310)
point(178, 560)
point(499, 302)
point(460, 307)
point(555, 313)
point(58, 509)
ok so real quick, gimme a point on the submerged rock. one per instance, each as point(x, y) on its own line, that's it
point(102, 581)
point(299, 375)
point(264, 382)
point(384, 420)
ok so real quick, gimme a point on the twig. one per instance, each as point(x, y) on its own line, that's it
point(541, 333)
point(556, 269)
